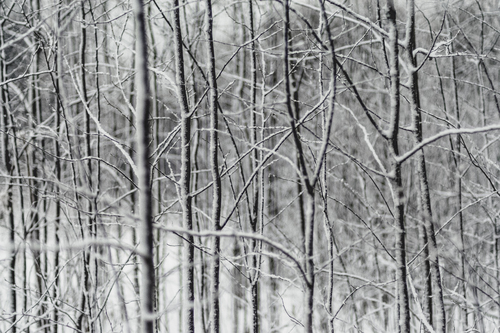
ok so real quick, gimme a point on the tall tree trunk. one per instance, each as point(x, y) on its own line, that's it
point(144, 172)
point(403, 308)
point(309, 181)
point(8, 166)
point(324, 184)
point(36, 224)
point(214, 167)
point(425, 202)
point(185, 181)
point(158, 174)
point(309, 213)
point(256, 193)
point(58, 167)
point(458, 183)
point(86, 301)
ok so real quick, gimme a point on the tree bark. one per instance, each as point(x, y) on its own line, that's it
point(214, 167)
point(8, 166)
point(185, 181)
point(425, 202)
point(144, 172)
point(403, 308)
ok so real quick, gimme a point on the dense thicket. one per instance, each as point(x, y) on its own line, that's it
point(313, 166)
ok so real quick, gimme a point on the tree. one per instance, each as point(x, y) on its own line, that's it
point(144, 173)
point(264, 166)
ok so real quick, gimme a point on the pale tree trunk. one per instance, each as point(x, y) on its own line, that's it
point(145, 247)
point(272, 199)
point(214, 166)
point(425, 203)
point(185, 181)
point(132, 149)
point(403, 309)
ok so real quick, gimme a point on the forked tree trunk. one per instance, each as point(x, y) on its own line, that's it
point(257, 192)
point(425, 203)
point(458, 183)
point(403, 308)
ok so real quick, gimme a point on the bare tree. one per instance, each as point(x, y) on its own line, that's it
point(214, 167)
point(144, 172)
point(436, 291)
point(185, 181)
point(9, 205)
point(403, 307)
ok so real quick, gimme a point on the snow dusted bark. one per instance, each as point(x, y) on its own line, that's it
point(144, 172)
point(309, 214)
point(403, 309)
point(257, 190)
point(327, 119)
point(309, 181)
point(185, 181)
point(457, 156)
point(425, 203)
point(214, 166)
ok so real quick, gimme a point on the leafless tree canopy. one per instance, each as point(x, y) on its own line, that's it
point(249, 166)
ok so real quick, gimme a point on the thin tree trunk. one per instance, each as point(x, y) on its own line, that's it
point(403, 309)
point(35, 221)
point(8, 166)
point(254, 277)
point(425, 203)
point(214, 166)
point(57, 218)
point(144, 172)
point(326, 220)
point(133, 195)
point(309, 213)
point(158, 175)
point(32, 166)
point(86, 301)
point(457, 159)
point(95, 186)
point(185, 181)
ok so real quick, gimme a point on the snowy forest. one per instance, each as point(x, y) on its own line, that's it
point(246, 166)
